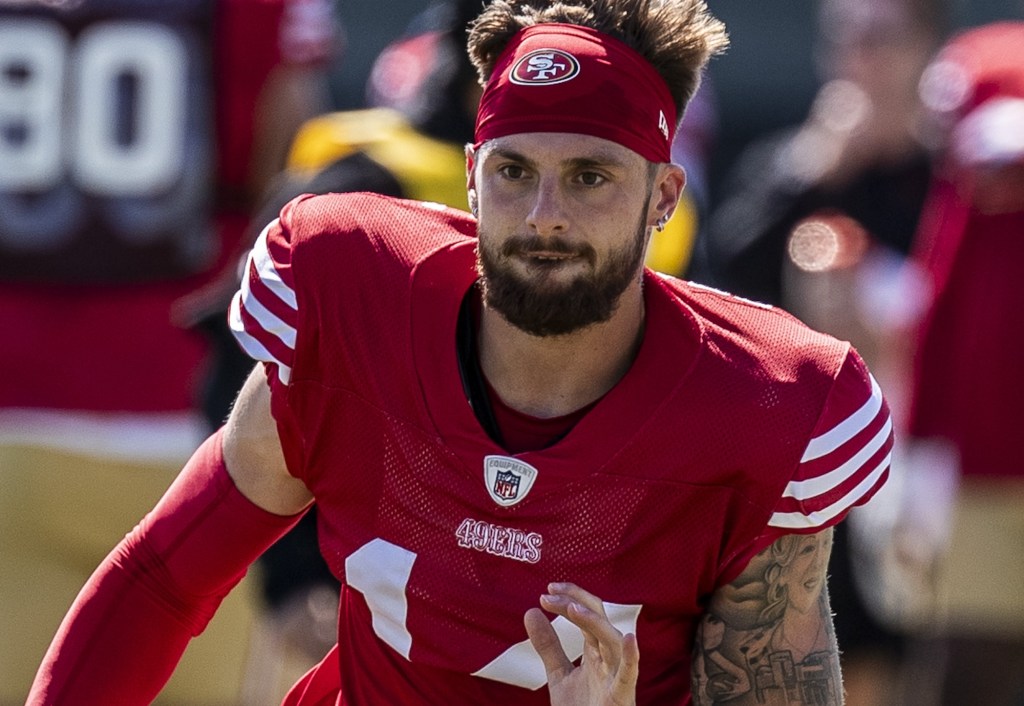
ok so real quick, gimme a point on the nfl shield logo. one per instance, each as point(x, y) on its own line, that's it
point(508, 479)
point(507, 485)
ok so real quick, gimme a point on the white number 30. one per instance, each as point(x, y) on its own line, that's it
point(42, 139)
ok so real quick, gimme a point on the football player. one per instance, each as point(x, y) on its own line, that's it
point(521, 509)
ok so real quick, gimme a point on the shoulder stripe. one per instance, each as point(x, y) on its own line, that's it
point(821, 518)
point(266, 319)
point(264, 312)
point(268, 272)
point(848, 428)
point(276, 347)
point(818, 485)
point(250, 344)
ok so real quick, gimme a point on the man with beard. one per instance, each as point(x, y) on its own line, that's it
point(479, 408)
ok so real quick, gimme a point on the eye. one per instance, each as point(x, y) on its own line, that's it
point(512, 171)
point(591, 178)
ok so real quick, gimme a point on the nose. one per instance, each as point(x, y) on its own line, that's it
point(547, 214)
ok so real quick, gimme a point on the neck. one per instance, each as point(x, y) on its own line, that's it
point(552, 376)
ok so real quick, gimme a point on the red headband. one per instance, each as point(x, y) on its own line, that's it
point(565, 78)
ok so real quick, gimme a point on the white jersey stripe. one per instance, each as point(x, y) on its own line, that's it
point(813, 487)
point(819, 518)
point(847, 429)
point(268, 320)
point(268, 274)
point(249, 344)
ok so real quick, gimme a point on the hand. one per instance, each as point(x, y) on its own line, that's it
point(611, 661)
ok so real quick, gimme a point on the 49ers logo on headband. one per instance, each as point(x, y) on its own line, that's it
point(544, 66)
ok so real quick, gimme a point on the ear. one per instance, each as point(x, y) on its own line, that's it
point(471, 196)
point(668, 189)
point(470, 161)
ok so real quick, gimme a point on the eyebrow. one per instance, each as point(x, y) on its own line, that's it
point(598, 159)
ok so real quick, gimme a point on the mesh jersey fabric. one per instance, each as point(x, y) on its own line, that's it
point(735, 425)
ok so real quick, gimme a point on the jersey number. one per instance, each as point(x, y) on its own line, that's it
point(380, 571)
point(125, 118)
point(100, 133)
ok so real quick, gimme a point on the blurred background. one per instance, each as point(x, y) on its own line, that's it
point(858, 162)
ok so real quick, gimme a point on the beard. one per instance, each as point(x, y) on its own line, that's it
point(549, 308)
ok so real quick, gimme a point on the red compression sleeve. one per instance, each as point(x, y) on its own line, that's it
point(157, 589)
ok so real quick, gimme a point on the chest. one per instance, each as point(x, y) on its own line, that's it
point(447, 571)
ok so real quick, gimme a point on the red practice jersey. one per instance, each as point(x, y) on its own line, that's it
point(735, 425)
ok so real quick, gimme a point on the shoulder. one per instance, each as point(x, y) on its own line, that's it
point(816, 429)
point(372, 211)
point(795, 365)
point(338, 247)
point(321, 257)
point(390, 227)
point(759, 338)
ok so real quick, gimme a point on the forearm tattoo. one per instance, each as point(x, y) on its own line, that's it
point(767, 638)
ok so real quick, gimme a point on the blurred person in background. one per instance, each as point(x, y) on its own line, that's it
point(966, 407)
point(860, 147)
point(819, 219)
point(134, 135)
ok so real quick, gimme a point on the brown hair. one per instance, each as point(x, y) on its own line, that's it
point(676, 36)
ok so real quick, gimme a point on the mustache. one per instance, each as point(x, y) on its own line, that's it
point(529, 244)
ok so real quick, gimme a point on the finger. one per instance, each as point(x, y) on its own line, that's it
point(586, 611)
point(546, 644)
point(576, 594)
point(601, 638)
point(624, 686)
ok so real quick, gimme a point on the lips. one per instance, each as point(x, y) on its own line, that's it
point(547, 251)
point(551, 256)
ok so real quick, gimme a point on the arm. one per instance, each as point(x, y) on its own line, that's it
point(129, 626)
point(252, 452)
point(770, 631)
